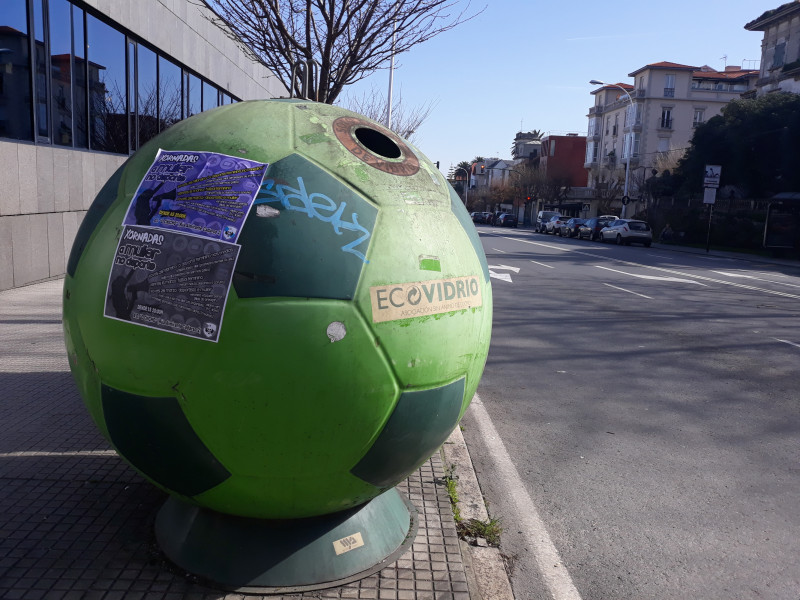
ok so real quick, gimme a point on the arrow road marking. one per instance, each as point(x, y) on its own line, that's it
point(505, 267)
point(503, 276)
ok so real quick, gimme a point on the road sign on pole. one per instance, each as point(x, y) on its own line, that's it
point(709, 195)
point(711, 176)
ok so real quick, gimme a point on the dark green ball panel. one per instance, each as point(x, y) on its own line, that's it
point(155, 437)
point(307, 235)
point(420, 423)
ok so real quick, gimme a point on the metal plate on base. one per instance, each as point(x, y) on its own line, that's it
point(285, 556)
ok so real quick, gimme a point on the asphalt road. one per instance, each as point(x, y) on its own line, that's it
point(649, 401)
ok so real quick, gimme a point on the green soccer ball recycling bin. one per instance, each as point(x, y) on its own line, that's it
point(276, 311)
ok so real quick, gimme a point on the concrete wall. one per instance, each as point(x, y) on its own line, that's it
point(46, 190)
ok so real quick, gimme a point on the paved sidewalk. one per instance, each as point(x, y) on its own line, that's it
point(76, 522)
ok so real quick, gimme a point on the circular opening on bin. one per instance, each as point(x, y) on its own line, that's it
point(377, 142)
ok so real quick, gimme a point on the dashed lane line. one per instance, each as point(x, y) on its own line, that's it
point(543, 265)
point(629, 291)
point(662, 269)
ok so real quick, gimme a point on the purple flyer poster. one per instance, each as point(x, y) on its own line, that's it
point(199, 193)
point(170, 281)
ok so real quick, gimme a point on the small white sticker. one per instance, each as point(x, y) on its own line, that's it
point(336, 331)
point(351, 542)
point(262, 210)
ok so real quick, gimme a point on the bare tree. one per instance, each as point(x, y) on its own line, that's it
point(405, 121)
point(347, 39)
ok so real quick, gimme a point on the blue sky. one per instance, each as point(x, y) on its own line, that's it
point(529, 62)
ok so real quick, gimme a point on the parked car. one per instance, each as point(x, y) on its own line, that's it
point(627, 231)
point(480, 217)
point(542, 219)
point(555, 224)
point(590, 229)
point(570, 229)
point(506, 220)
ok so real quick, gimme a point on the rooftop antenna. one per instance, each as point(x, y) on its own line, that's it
point(724, 60)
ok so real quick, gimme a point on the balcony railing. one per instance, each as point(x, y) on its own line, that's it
point(639, 94)
point(595, 110)
point(669, 92)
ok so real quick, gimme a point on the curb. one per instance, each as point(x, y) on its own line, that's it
point(486, 575)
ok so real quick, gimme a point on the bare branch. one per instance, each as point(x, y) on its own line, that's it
point(349, 39)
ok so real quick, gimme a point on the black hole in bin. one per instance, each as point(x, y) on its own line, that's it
point(376, 142)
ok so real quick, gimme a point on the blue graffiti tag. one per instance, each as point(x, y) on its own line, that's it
point(317, 206)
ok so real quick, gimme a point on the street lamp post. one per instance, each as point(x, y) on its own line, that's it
point(630, 147)
point(466, 184)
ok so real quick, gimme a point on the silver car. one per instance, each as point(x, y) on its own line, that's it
point(627, 231)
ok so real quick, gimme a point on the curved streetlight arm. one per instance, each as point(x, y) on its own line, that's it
point(466, 184)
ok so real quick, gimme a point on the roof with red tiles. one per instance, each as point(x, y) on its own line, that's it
point(613, 86)
point(664, 65)
point(724, 75)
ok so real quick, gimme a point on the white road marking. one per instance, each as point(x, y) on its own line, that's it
point(663, 270)
point(743, 276)
point(503, 276)
point(654, 277)
point(500, 251)
point(624, 290)
point(506, 267)
point(787, 342)
point(527, 518)
point(543, 265)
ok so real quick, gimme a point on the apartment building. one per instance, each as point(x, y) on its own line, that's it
point(780, 49)
point(84, 83)
point(652, 120)
point(562, 158)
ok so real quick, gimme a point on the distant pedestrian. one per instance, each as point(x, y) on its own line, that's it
point(666, 234)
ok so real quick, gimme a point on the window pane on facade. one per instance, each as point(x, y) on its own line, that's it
point(107, 88)
point(169, 93)
point(40, 71)
point(194, 95)
point(147, 94)
point(15, 75)
point(131, 96)
point(79, 113)
point(210, 96)
point(61, 71)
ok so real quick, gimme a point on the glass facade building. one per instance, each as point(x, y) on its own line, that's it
point(83, 84)
point(71, 78)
